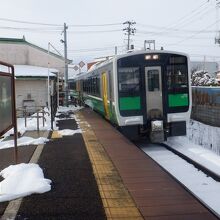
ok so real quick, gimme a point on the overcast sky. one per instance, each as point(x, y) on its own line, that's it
point(188, 26)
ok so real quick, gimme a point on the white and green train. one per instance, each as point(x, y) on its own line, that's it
point(142, 93)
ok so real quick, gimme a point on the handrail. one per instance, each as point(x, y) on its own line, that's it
point(40, 110)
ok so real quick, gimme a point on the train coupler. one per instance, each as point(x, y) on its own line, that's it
point(157, 132)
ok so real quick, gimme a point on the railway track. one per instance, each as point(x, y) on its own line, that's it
point(201, 182)
point(199, 166)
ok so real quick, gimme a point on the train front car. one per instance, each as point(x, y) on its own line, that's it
point(154, 96)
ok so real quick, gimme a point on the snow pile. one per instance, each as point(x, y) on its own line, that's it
point(22, 180)
point(203, 78)
point(70, 108)
point(67, 132)
point(204, 135)
point(23, 141)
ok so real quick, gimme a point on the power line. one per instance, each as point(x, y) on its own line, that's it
point(182, 19)
point(30, 29)
point(27, 22)
point(171, 29)
point(94, 49)
point(57, 30)
point(59, 25)
point(190, 14)
point(95, 25)
point(94, 31)
point(192, 36)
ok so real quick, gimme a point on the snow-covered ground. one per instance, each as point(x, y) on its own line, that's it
point(24, 179)
point(202, 145)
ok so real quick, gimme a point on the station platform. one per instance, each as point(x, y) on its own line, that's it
point(100, 174)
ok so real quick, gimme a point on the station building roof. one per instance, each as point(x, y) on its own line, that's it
point(27, 71)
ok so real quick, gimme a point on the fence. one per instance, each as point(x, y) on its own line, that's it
point(206, 105)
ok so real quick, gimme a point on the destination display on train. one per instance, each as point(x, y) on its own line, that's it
point(6, 119)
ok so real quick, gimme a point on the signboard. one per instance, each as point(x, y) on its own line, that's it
point(75, 68)
point(6, 117)
point(81, 64)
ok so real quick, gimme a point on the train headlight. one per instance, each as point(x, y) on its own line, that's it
point(155, 57)
point(152, 57)
point(157, 125)
point(148, 57)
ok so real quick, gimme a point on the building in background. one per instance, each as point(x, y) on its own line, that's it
point(31, 70)
point(31, 85)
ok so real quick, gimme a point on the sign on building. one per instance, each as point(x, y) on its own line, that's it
point(81, 64)
point(75, 68)
point(6, 117)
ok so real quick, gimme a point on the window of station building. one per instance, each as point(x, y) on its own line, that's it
point(129, 79)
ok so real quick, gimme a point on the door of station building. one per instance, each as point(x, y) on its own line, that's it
point(105, 94)
point(154, 98)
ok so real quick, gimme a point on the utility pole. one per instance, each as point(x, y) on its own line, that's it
point(66, 66)
point(129, 31)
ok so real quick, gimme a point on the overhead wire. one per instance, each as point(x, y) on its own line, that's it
point(60, 25)
point(188, 17)
point(192, 36)
point(28, 22)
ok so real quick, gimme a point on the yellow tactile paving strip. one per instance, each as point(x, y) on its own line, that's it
point(116, 199)
point(55, 134)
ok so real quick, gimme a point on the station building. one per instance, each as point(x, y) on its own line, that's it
point(31, 70)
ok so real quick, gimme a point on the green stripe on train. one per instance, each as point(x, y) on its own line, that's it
point(178, 100)
point(130, 103)
point(97, 105)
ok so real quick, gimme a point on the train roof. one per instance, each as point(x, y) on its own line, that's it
point(130, 53)
point(137, 52)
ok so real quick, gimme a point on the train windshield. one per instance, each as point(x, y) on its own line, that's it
point(177, 74)
point(177, 83)
point(129, 79)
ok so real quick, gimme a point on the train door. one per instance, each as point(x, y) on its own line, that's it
point(154, 100)
point(105, 94)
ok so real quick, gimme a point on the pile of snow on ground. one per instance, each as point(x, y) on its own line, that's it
point(22, 180)
point(23, 141)
point(67, 132)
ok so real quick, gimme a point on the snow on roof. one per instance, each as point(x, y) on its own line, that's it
point(33, 71)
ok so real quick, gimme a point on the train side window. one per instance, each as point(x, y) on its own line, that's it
point(98, 86)
point(153, 80)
